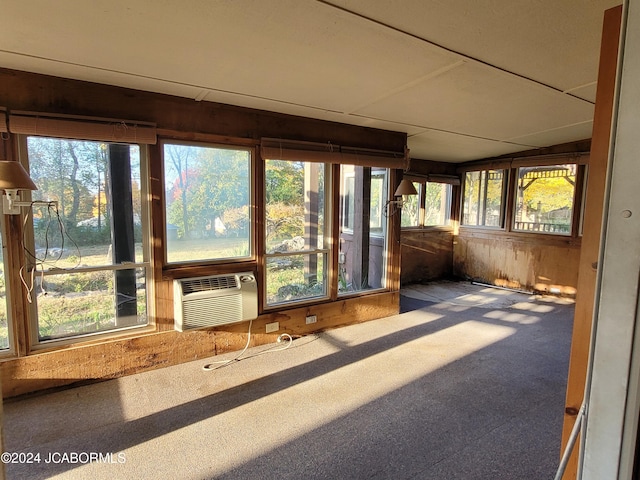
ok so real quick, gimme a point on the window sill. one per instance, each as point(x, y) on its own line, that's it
point(429, 228)
point(90, 339)
point(362, 293)
point(287, 305)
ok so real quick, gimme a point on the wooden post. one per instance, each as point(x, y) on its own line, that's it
point(361, 227)
point(394, 249)
point(336, 204)
point(589, 253)
point(122, 237)
point(311, 206)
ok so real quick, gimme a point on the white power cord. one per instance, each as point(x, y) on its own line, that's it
point(222, 363)
point(28, 281)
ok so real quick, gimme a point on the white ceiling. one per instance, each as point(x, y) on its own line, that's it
point(465, 79)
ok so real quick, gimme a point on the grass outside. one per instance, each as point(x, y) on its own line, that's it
point(206, 249)
point(289, 279)
point(63, 314)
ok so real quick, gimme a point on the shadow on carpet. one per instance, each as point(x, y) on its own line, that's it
point(408, 304)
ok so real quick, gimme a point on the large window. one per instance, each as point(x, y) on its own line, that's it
point(296, 231)
point(363, 246)
point(483, 201)
point(87, 255)
point(544, 199)
point(207, 203)
point(430, 208)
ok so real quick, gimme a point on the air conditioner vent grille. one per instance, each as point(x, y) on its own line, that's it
point(204, 313)
point(207, 284)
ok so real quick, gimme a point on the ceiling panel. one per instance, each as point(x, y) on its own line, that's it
point(297, 52)
point(587, 92)
point(451, 147)
point(479, 73)
point(91, 74)
point(557, 136)
point(482, 102)
point(551, 41)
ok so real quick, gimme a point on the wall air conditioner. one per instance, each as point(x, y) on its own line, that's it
point(204, 302)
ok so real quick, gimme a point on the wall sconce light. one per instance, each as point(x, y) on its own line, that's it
point(14, 177)
point(405, 188)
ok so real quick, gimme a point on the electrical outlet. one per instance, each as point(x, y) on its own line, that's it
point(273, 327)
point(311, 319)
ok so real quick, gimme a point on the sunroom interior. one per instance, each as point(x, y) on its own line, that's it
point(261, 143)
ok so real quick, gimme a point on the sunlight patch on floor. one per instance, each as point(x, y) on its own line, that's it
point(512, 317)
point(345, 389)
point(326, 398)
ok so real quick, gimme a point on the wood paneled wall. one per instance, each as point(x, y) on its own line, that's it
point(530, 262)
point(118, 357)
point(426, 255)
point(189, 118)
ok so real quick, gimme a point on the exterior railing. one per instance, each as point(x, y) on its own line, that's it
point(542, 227)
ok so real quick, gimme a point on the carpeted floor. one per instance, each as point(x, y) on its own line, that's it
point(468, 383)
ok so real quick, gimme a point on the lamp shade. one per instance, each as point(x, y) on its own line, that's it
point(405, 188)
point(13, 176)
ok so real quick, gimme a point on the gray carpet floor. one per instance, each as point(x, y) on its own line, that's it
point(468, 383)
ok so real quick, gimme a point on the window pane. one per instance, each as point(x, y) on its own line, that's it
point(80, 175)
point(96, 224)
point(362, 257)
point(348, 188)
point(378, 201)
point(544, 199)
point(437, 204)
point(411, 208)
point(295, 277)
point(471, 201)
point(483, 198)
point(295, 205)
point(207, 198)
point(83, 303)
point(295, 223)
